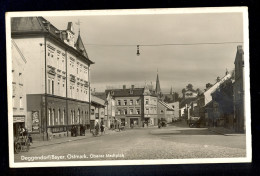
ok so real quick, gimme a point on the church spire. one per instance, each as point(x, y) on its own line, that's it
point(157, 88)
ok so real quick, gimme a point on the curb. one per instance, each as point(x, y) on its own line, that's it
point(69, 140)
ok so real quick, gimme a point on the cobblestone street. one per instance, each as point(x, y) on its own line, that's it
point(172, 142)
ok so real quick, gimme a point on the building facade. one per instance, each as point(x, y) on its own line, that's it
point(239, 106)
point(165, 112)
point(18, 95)
point(97, 111)
point(128, 105)
point(56, 75)
point(150, 107)
point(205, 104)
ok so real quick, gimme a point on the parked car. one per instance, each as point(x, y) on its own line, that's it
point(194, 122)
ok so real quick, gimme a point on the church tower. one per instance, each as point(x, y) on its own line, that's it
point(158, 87)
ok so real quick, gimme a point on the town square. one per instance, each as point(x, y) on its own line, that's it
point(144, 86)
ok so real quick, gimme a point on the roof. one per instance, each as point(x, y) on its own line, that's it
point(101, 95)
point(166, 106)
point(39, 25)
point(125, 92)
point(97, 100)
point(27, 24)
point(80, 46)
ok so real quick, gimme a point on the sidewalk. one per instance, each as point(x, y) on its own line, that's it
point(225, 131)
point(37, 144)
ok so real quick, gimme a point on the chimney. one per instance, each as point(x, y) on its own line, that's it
point(124, 87)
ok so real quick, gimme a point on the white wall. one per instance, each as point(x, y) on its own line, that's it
point(34, 77)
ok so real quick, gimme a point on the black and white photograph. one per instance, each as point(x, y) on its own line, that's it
point(128, 87)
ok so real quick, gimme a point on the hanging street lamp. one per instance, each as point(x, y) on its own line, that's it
point(138, 53)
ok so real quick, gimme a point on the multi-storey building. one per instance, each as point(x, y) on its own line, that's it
point(239, 105)
point(129, 105)
point(150, 106)
point(18, 94)
point(56, 76)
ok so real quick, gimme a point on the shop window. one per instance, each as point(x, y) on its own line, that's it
point(53, 116)
point(49, 117)
point(63, 118)
point(58, 117)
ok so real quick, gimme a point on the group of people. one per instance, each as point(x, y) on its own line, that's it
point(100, 128)
point(23, 132)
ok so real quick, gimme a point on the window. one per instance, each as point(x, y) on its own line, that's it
point(71, 117)
point(131, 102)
point(49, 86)
point(20, 79)
point(138, 111)
point(58, 117)
point(118, 102)
point(49, 117)
point(13, 101)
point(21, 102)
point(78, 117)
point(125, 111)
point(137, 102)
point(118, 112)
point(125, 102)
point(92, 111)
point(146, 101)
point(52, 84)
point(131, 111)
point(53, 116)
point(58, 61)
point(147, 111)
point(63, 117)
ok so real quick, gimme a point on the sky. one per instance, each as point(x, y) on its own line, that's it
point(177, 65)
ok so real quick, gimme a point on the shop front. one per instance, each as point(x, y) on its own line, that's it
point(18, 123)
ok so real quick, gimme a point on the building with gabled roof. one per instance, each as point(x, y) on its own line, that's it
point(56, 76)
point(204, 101)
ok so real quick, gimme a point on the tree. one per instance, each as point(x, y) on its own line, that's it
point(189, 87)
point(208, 85)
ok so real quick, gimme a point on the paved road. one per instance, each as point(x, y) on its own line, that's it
point(172, 142)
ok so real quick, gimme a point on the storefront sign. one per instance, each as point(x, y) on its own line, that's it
point(18, 119)
point(35, 121)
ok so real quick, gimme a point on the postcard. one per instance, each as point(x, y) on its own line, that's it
point(128, 87)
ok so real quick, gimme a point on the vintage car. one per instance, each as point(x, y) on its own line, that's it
point(194, 122)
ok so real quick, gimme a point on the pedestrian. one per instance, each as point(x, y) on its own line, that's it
point(97, 128)
point(102, 127)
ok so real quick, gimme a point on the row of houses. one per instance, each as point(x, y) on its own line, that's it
point(51, 90)
point(136, 106)
point(220, 104)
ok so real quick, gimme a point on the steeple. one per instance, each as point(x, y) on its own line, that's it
point(157, 88)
